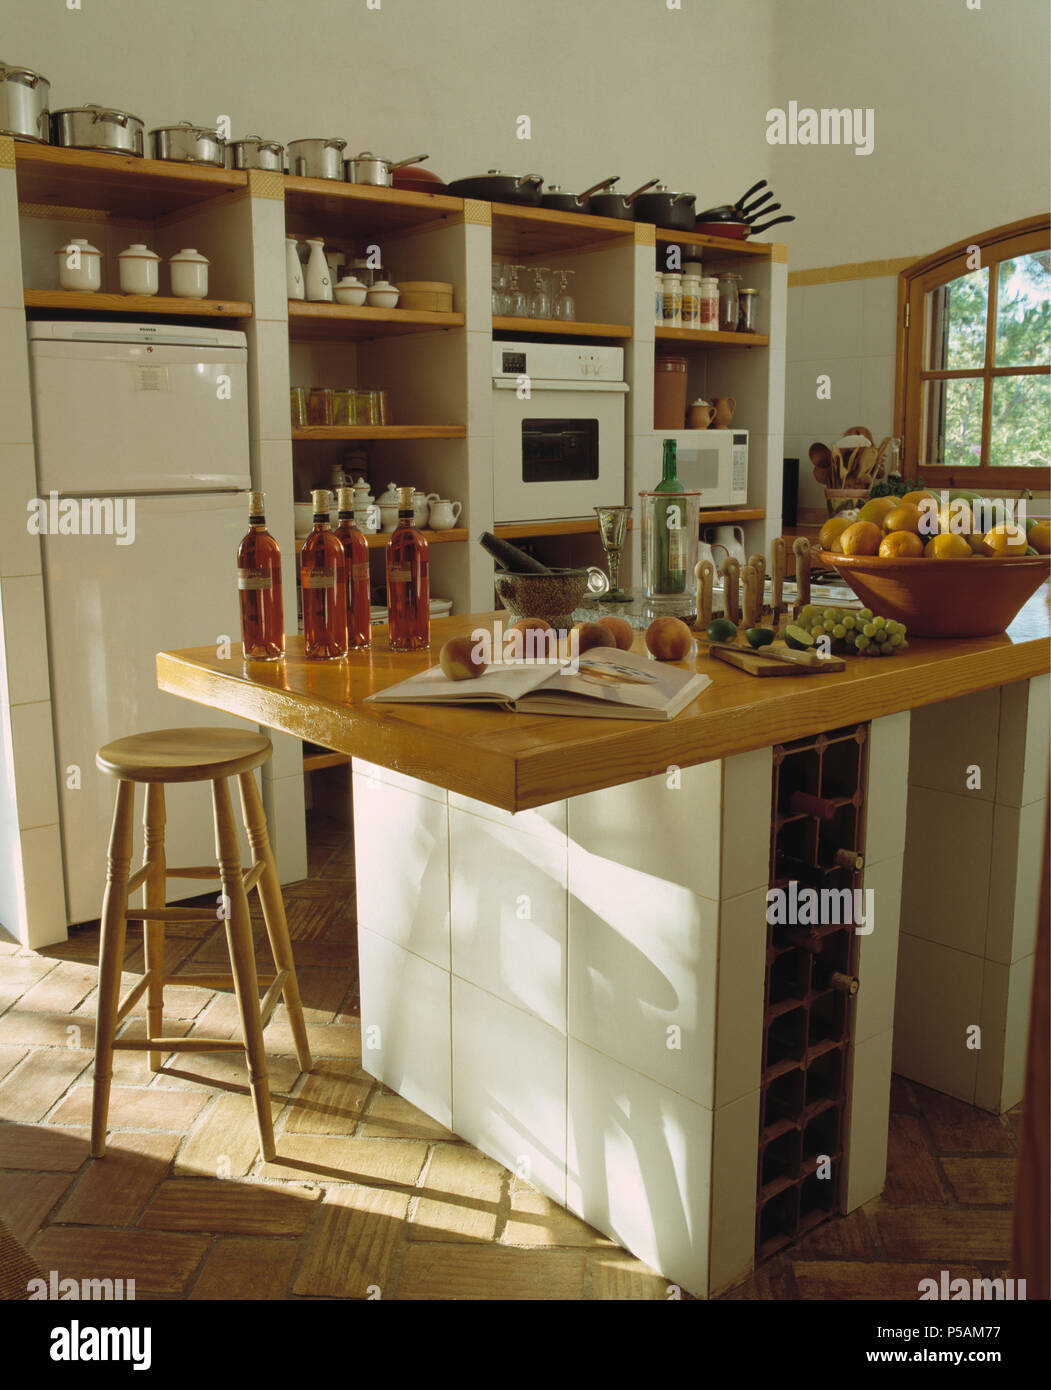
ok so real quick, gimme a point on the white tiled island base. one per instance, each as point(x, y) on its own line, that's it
point(578, 990)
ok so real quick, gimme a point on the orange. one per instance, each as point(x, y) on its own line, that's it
point(1004, 540)
point(1040, 537)
point(901, 545)
point(862, 538)
point(904, 517)
point(916, 497)
point(947, 546)
point(876, 508)
point(830, 533)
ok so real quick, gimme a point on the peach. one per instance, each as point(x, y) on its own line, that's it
point(592, 635)
point(623, 632)
point(669, 639)
point(529, 639)
point(459, 659)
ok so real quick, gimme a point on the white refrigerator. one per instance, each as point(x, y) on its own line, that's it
point(142, 466)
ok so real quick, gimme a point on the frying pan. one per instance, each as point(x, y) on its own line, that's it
point(738, 231)
point(731, 213)
point(414, 178)
point(664, 208)
point(619, 205)
point(561, 201)
point(495, 187)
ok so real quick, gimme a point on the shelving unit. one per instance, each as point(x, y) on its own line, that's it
point(120, 185)
point(582, 527)
point(705, 338)
point(379, 540)
point(559, 328)
point(155, 305)
point(348, 322)
point(378, 432)
point(356, 208)
point(523, 232)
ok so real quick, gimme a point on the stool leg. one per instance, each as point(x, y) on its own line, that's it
point(111, 959)
point(274, 912)
point(242, 961)
point(155, 895)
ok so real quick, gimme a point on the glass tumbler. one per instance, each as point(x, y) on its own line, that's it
point(298, 399)
point(319, 405)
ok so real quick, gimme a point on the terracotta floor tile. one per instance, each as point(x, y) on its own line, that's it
point(30, 1090)
point(322, 992)
point(912, 1174)
point(225, 1071)
point(537, 1220)
point(10, 1057)
point(26, 1199)
point(20, 973)
point(619, 1276)
point(836, 1279)
point(157, 1266)
point(844, 1237)
point(331, 1100)
point(241, 1268)
point(115, 1188)
point(392, 1116)
point(772, 1280)
point(229, 1207)
point(321, 890)
point(463, 1196)
point(902, 1101)
point(133, 1068)
point(61, 989)
point(982, 1181)
point(75, 1032)
point(913, 1233)
point(338, 955)
point(433, 1270)
point(957, 1127)
point(352, 1243)
point(326, 1039)
point(135, 1107)
point(327, 1158)
point(43, 1148)
point(224, 1140)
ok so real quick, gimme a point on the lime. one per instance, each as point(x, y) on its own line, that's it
point(798, 638)
point(721, 630)
point(759, 636)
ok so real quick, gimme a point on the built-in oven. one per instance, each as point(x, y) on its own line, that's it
point(558, 430)
point(714, 462)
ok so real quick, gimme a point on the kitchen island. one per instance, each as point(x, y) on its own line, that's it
point(563, 938)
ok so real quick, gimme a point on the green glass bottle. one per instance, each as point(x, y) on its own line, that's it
point(668, 527)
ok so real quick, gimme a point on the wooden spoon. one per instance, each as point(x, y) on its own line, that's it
point(820, 457)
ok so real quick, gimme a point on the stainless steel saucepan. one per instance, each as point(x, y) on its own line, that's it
point(379, 173)
point(316, 159)
point(189, 144)
point(23, 104)
point(253, 152)
point(97, 128)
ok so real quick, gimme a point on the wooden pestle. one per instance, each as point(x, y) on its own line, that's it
point(753, 608)
point(777, 575)
point(731, 574)
point(510, 557)
point(758, 563)
point(704, 573)
point(801, 550)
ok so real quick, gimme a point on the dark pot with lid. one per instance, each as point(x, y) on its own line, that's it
point(619, 205)
point(495, 187)
point(664, 208)
point(560, 200)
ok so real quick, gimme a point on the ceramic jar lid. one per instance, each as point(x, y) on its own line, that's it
point(138, 251)
point(390, 497)
point(189, 254)
point(80, 244)
point(384, 285)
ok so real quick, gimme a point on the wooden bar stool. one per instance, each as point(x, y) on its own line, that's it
point(191, 755)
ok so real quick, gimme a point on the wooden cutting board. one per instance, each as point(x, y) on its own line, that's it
point(783, 660)
point(753, 664)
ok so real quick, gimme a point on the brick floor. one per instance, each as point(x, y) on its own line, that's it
point(369, 1197)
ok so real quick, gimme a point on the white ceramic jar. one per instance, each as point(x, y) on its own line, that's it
point(672, 299)
point(189, 272)
point(691, 301)
point(444, 514)
point(709, 295)
point(350, 290)
point(139, 269)
point(293, 269)
point(421, 507)
point(388, 505)
point(79, 265)
point(318, 280)
point(383, 295)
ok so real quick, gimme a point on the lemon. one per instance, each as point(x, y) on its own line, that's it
point(916, 497)
point(876, 508)
point(904, 517)
point(862, 538)
point(901, 545)
point(831, 531)
point(947, 546)
point(1004, 540)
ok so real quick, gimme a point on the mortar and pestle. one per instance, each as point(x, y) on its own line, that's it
point(528, 589)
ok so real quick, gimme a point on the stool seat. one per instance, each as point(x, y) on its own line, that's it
point(183, 755)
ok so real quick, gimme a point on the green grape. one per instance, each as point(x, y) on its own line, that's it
point(851, 638)
point(904, 647)
point(861, 641)
point(886, 650)
point(869, 630)
point(849, 621)
point(866, 615)
point(895, 627)
point(894, 640)
point(879, 622)
point(839, 631)
point(829, 617)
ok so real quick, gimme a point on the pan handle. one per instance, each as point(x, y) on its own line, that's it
point(632, 196)
point(529, 179)
point(402, 163)
point(752, 207)
point(754, 189)
point(774, 223)
point(597, 188)
point(766, 212)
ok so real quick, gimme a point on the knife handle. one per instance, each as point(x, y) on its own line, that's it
point(704, 573)
point(731, 573)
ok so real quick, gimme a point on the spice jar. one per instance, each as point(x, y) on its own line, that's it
point(709, 302)
point(748, 311)
point(672, 299)
point(691, 301)
point(728, 301)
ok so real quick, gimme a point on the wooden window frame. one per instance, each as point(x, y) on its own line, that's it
point(914, 284)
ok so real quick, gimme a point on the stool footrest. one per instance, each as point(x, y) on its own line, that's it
point(134, 995)
point(251, 876)
point(169, 914)
point(272, 997)
point(211, 981)
point(139, 877)
point(179, 1044)
point(197, 871)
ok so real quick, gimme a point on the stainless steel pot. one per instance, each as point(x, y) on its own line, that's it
point(369, 168)
point(97, 128)
point(253, 152)
point(23, 104)
point(316, 159)
point(189, 144)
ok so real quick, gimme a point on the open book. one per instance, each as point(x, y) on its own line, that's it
point(604, 682)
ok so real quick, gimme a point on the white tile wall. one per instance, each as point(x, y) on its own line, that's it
point(283, 801)
point(15, 416)
point(946, 884)
point(45, 904)
point(736, 1134)
point(886, 796)
point(746, 822)
point(1019, 839)
point(952, 736)
point(540, 821)
point(939, 997)
point(34, 764)
point(742, 971)
point(1025, 719)
point(386, 776)
point(19, 551)
point(25, 638)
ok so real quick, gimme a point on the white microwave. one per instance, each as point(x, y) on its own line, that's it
point(714, 463)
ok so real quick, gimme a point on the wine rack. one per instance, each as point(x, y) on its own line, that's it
point(817, 809)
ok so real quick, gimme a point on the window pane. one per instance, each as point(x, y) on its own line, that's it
point(952, 421)
point(1021, 420)
point(1023, 311)
point(956, 319)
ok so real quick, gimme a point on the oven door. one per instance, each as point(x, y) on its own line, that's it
point(558, 454)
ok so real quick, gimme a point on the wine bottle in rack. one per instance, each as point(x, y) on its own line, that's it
point(849, 859)
point(820, 806)
point(323, 576)
point(408, 585)
point(356, 549)
point(259, 588)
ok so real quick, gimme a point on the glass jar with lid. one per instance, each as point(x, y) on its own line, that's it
point(729, 307)
point(748, 311)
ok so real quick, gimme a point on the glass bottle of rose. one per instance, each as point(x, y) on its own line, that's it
point(356, 548)
point(323, 577)
point(259, 588)
point(408, 585)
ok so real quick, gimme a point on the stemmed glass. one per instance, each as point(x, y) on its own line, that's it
point(500, 282)
point(521, 301)
point(612, 531)
point(542, 306)
point(565, 304)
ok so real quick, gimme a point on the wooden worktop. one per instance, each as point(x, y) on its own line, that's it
point(517, 761)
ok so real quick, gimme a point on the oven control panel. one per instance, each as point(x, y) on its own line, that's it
point(557, 362)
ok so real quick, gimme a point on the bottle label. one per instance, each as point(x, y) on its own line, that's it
point(359, 574)
point(254, 579)
point(319, 579)
point(401, 576)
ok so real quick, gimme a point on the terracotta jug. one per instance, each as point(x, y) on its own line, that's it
point(699, 416)
point(724, 411)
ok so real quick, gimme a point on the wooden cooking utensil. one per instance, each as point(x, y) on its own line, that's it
point(731, 574)
point(801, 550)
point(820, 457)
point(838, 467)
point(704, 573)
point(783, 659)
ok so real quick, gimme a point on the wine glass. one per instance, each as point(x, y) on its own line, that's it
point(500, 283)
point(542, 306)
point(565, 304)
point(612, 530)
point(520, 298)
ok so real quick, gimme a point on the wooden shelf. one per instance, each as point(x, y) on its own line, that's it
point(379, 540)
point(719, 516)
point(581, 526)
point(118, 184)
point(156, 305)
point(319, 432)
point(349, 321)
point(524, 231)
point(560, 328)
point(700, 337)
point(342, 208)
point(314, 762)
point(723, 247)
